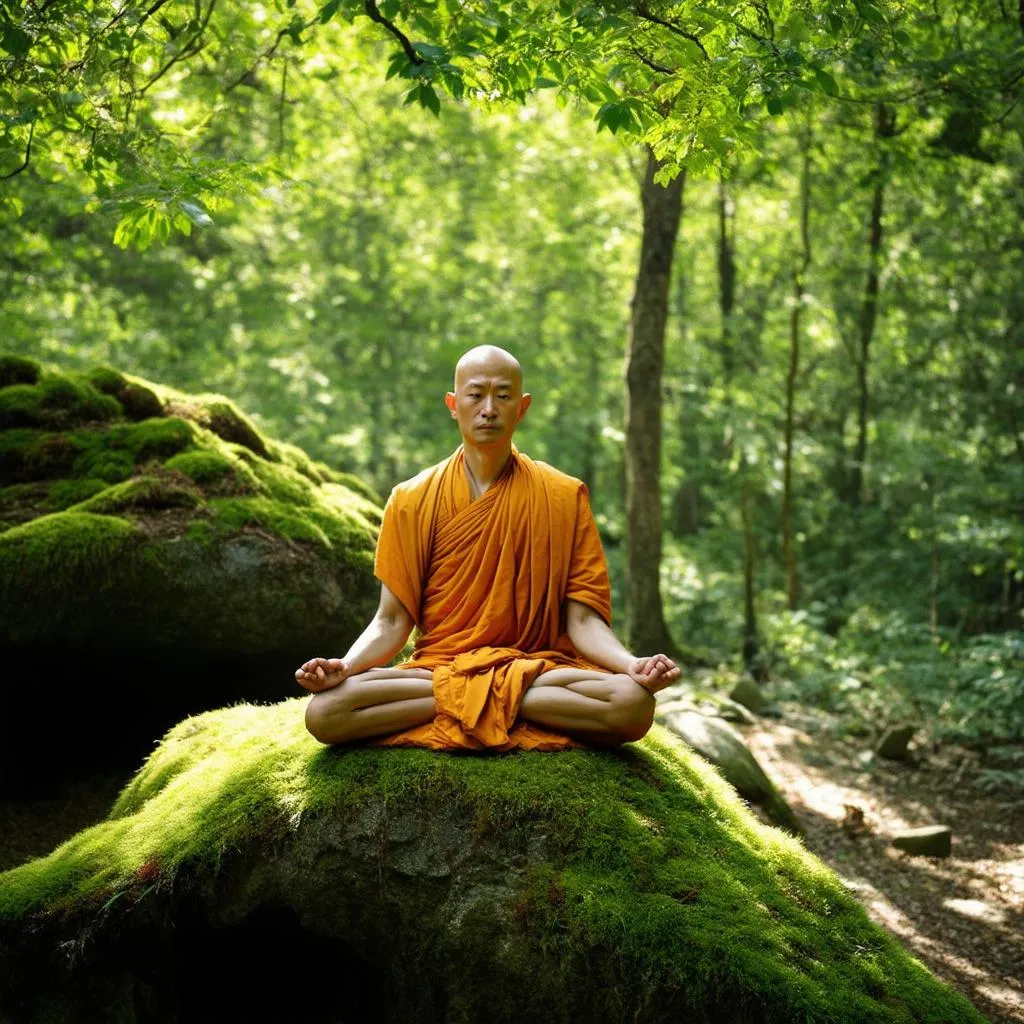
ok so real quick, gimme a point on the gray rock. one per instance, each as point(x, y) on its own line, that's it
point(928, 841)
point(722, 745)
point(893, 744)
point(748, 693)
point(731, 711)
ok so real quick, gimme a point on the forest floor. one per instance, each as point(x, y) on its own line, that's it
point(963, 916)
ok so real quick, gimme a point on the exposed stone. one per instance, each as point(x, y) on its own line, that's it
point(722, 745)
point(893, 744)
point(748, 693)
point(927, 841)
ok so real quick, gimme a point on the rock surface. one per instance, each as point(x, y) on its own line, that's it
point(748, 693)
point(722, 745)
point(246, 871)
point(158, 556)
point(893, 745)
point(927, 841)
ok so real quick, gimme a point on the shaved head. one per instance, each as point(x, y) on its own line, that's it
point(489, 360)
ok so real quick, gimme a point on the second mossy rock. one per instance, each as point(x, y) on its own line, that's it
point(160, 556)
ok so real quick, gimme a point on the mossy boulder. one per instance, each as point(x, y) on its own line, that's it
point(159, 555)
point(248, 871)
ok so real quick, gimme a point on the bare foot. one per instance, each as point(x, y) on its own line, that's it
point(654, 673)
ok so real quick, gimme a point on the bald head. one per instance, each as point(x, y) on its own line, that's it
point(488, 400)
point(489, 361)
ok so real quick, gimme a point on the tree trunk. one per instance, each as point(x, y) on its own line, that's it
point(885, 125)
point(726, 301)
point(662, 209)
point(788, 551)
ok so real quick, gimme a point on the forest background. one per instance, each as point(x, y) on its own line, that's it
point(790, 370)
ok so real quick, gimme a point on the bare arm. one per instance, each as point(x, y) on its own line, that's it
point(594, 639)
point(382, 639)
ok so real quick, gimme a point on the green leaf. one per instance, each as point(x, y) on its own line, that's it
point(195, 212)
point(429, 99)
point(15, 40)
point(871, 14)
point(328, 11)
point(774, 104)
point(546, 83)
point(826, 81)
point(437, 54)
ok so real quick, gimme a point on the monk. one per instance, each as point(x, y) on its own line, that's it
point(496, 559)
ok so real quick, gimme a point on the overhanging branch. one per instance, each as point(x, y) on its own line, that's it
point(374, 15)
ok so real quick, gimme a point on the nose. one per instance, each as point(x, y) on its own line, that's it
point(488, 409)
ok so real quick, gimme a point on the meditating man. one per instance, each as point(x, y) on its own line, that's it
point(496, 559)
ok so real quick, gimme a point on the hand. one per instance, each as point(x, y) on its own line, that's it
point(322, 673)
point(654, 673)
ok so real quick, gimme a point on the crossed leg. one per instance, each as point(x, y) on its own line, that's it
point(376, 702)
point(599, 707)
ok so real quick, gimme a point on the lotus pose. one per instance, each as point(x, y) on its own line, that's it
point(497, 560)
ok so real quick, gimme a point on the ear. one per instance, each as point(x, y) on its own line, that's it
point(449, 400)
point(524, 404)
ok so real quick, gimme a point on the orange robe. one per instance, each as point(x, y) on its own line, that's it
point(486, 583)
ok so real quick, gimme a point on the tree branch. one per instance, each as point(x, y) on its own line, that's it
point(653, 65)
point(28, 155)
point(646, 15)
point(269, 52)
point(188, 50)
point(374, 15)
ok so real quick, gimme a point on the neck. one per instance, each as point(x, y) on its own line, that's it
point(486, 464)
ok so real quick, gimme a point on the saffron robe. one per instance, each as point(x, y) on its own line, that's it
point(486, 582)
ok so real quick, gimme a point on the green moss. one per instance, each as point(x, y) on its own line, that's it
point(112, 454)
point(106, 379)
point(220, 416)
point(292, 455)
point(22, 492)
point(57, 400)
point(27, 455)
point(135, 397)
point(353, 483)
point(18, 370)
point(232, 514)
point(61, 544)
point(653, 860)
point(212, 466)
point(20, 406)
point(284, 484)
point(64, 493)
point(144, 492)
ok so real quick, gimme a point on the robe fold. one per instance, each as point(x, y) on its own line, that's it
point(485, 582)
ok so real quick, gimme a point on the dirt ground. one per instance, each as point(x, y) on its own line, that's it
point(963, 915)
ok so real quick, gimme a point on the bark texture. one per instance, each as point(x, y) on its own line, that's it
point(662, 209)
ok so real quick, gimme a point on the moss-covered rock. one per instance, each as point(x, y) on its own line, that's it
point(411, 885)
point(151, 536)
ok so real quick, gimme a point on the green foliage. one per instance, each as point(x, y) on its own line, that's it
point(654, 858)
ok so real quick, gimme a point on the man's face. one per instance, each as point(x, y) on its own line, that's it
point(488, 403)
